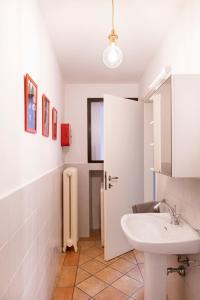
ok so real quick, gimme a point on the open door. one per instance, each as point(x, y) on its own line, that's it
point(123, 168)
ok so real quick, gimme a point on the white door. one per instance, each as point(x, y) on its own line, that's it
point(123, 159)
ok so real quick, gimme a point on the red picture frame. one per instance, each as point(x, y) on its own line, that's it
point(30, 99)
point(45, 115)
point(54, 123)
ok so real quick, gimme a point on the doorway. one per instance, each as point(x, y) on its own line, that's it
point(119, 127)
point(95, 119)
point(95, 184)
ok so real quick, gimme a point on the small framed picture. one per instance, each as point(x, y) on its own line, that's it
point(54, 123)
point(45, 115)
point(30, 96)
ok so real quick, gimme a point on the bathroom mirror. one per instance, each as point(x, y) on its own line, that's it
point(95, 115)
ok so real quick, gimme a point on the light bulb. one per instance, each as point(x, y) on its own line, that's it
point(112, 56)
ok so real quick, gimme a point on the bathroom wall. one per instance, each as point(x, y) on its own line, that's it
point(30, 239)
point(180, 50)
point(75, 113)
point(30, 181)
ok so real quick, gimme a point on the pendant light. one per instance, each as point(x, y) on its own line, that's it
point(112, 55)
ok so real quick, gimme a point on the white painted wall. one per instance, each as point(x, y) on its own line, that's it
point(180, 49)
point(25, 48)
point(75, 112)
point(30, 231)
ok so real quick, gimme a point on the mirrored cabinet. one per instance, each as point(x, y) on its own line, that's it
point(176, 126)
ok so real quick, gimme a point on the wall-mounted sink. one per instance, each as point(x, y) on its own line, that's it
point(153, 233)
point(157, 238)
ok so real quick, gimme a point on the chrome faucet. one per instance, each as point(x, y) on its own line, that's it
point(172, 210)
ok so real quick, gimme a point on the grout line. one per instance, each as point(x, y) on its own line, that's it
point(83, 292)
point(141, 273)
point(138, 264)
point(137, 291)
point(105, 266)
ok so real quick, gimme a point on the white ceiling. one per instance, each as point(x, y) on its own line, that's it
point(79, 30)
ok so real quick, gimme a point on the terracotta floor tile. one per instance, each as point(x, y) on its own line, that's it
point(63, 293)
point(101, 259)
point(67, 277)
point(81, 276)
point(95, 234)
point(135, 274)
point(93, 252)
point(127, 285)
point(141, 267)
point(110, 293)
point(83, 259)
point(109, 262)
point(80, 295)
point(109, 275)
point(92, 286)
point(139, 295)
point(71, 259)
point(98, 244)
point(139, 256)
point(122, 265)
point(83, 245)
point(77, 281)
point(61, 259)
point(93, 266)
point(130, 257)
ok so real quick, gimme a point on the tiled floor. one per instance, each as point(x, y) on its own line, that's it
point(86, 275)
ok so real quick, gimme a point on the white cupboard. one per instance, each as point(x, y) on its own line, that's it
point(176, 121)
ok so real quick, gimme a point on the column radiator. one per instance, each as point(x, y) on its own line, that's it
point(70, 208)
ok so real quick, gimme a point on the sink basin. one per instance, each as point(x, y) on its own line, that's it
point(157, 238)
point(153, 233)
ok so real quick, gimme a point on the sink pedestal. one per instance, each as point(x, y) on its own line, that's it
point(155, 276)
point(154, 235)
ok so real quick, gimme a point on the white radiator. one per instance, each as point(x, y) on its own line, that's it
point(70, 208)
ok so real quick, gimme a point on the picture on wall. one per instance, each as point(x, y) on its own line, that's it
point(54, 123)
point(30, 96)
point(45, 115)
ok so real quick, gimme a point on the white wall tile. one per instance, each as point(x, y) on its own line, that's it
point(4, 267)
point(4, 209)
point(30, 255)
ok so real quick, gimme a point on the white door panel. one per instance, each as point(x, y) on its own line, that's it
point(123, 148)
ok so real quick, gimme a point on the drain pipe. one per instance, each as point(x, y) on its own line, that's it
point(183, 259)
point(185, 263)
point(180, 270)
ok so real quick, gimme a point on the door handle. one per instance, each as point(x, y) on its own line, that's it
point(110, 178)
point(110, 185)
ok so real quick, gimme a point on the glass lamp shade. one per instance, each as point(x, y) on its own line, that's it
point(112, 56)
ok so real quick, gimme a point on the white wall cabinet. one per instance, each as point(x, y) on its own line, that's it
point(176, 116)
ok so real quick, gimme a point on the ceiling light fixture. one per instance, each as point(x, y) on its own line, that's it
point(112, 55)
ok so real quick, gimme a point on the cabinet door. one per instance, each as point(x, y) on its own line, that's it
point(157, 132)
point(166, 128)
point(162, 129)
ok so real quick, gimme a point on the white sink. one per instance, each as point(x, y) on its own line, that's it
point(157, 238)
point(153, 233)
